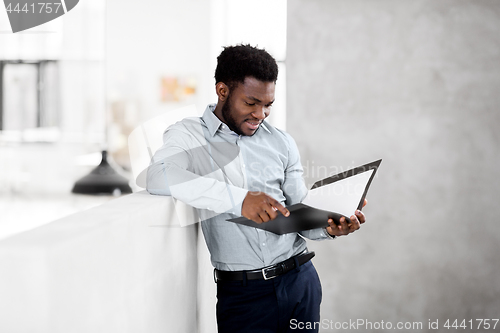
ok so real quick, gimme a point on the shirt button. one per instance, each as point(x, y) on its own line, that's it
point(263, 244)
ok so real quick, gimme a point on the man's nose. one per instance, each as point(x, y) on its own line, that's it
point(259, 113)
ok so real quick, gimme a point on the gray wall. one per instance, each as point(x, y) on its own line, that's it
point(416, 83)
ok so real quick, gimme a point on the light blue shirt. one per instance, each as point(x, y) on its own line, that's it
point(206, 165)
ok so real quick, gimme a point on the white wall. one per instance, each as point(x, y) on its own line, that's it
point(125, 266)
point(151, 40)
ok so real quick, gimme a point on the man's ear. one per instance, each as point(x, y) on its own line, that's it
point(222, 91)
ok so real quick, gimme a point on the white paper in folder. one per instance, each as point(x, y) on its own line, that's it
point(342, 196)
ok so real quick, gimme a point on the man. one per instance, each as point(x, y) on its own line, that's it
point(231, 162)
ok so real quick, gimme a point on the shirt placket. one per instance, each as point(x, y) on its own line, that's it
point(266, 254)
point(241, 160)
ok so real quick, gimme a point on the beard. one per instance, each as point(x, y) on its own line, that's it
point(228, 117)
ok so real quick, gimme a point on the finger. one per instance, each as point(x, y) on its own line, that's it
point(361, 217)
point(276, 204)
point(354, 225)
point(365, 202)
point(272, 212)
point(343, 227)
point(332, 229)
point(256, 218)
point(332, 232)
point(335, 224)
point(264, 216)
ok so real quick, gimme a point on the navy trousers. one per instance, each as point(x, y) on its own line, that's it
point(275, 305)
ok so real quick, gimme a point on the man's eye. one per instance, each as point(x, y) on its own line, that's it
point(250, 104)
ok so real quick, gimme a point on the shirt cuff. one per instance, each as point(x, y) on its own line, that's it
point(328, 235)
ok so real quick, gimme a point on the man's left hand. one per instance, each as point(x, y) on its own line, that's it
point(349, 226)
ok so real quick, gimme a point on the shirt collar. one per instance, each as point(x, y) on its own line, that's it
point(213, 123)
point(263, 125)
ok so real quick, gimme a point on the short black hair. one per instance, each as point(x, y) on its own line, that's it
point(235, 63)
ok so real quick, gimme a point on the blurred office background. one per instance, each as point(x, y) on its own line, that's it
point(415, 83)
point(81, 83)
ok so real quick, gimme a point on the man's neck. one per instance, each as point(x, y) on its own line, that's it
point(218, 112)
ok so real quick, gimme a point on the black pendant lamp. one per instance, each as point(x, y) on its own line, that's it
point(102, 180)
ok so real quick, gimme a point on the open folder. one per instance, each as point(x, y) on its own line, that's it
point(332, 197)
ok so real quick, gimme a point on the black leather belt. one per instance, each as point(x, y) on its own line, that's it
point(265, 273)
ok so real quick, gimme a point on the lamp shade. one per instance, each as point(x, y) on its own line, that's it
point(102, 180)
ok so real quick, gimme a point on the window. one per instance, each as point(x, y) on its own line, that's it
point(29, 94)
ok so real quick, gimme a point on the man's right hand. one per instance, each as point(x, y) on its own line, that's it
point(260, 207)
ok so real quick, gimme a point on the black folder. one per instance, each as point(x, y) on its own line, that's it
point(303, 216)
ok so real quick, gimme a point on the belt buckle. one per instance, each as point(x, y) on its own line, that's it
point(264, 270)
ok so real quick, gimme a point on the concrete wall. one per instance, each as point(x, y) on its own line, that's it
point(416, 83)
